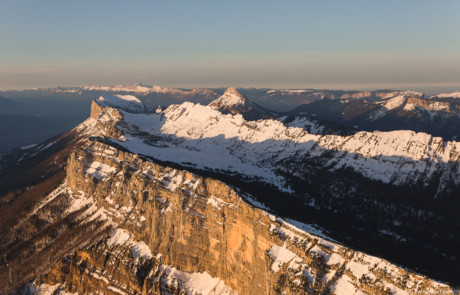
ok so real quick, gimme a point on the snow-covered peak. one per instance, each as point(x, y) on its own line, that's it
point(132, 88)
point(128, 103)
point(233, 91)
point(449, 95)
point(138, 88)
point(393, 94)
point(203, 91)
point(289, 91)
point(412, 93)
point(231, 101)
point(163, 89)
point(395, 102)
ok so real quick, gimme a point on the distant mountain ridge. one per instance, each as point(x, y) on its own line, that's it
point(394, 111)
point(353, 110)
point(8, 106)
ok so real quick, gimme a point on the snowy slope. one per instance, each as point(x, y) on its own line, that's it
point(192, 134)
point(453, 95)
point(128, 103)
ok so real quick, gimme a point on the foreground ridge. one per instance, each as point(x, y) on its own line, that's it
point(169, 230)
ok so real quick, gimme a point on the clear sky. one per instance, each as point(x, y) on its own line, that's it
point(278, 44)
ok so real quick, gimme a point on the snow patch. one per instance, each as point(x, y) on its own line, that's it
point(281, 256)
point(219, 203)
point(26, 147)
point(118, 237)
point(345, 286)
point(196, 283)
point(140, 250)
point(45, 289)
point(100, 170)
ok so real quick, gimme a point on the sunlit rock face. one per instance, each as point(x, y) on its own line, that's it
point(170, 230)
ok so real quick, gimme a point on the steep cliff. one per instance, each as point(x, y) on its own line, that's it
point(169, 231)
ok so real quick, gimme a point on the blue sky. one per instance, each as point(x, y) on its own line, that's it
point(279, 44)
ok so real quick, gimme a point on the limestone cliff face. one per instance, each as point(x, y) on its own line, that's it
point(174, 232)
point(96, 110)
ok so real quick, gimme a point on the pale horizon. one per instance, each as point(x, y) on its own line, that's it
point(294, 44)
point(427, 90)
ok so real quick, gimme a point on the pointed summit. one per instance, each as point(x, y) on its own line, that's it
point(233, 102)
point(232, 91)
point(230, 102)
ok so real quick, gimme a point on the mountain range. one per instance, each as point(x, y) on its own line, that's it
point(229, 197)
point(384, 110)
